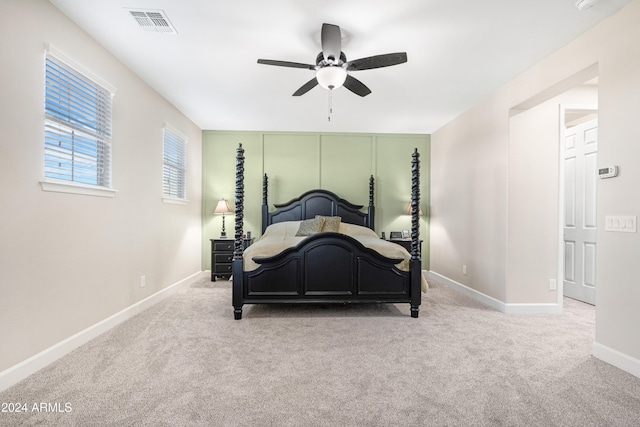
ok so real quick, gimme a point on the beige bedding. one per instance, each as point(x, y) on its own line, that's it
point(280, 236)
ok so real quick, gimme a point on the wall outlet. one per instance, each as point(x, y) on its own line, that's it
point(143, 281)
point(464, 270)
point(553, 285)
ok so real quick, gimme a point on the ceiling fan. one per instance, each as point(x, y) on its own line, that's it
point(332, 68)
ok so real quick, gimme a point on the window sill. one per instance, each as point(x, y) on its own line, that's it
point(174, 201)
point(58, 186)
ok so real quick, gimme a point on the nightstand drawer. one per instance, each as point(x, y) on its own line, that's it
point(223, 246)
point(223, 268)
point(223, 258)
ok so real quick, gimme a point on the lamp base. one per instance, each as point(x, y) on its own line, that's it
point(223, 233)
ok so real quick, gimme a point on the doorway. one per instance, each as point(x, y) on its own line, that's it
point(536, 194)
point(579, 159)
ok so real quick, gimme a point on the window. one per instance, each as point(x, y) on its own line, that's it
point(175, 164)
point(77, 126)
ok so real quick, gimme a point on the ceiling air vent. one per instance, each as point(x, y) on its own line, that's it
point(153, 20)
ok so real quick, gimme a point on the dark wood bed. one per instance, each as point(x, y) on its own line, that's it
point(325, 267)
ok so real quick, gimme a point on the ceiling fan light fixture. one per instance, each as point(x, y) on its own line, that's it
point(331, 77)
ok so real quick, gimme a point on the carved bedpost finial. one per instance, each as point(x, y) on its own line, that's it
point(265, 182)
point(371, 191)
point(415, 205)
point(370, 219)
point(239, 244)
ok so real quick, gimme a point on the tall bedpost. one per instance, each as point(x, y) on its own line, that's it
point(372, 210)
point(238, 247)
point(415, 205)
point(416, 257)
point(265, 203)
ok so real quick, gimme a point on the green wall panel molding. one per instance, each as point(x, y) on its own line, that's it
point(292, 164)
point(345, 165)
point(300, 161)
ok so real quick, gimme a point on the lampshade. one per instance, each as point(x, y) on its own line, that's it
point(407, 211)
point(222, 207)
point(331, 77)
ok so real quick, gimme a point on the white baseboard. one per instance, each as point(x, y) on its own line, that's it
point(617, 359)
point(478, 296)
point(533, 308)
point(27, 367)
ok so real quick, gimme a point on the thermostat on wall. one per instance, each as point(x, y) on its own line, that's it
point(609, 172)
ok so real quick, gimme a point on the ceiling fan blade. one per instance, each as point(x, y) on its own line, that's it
point(331, 42)
point(377, 61)
point(306, 87)
point(356, 86)
point(286, 64)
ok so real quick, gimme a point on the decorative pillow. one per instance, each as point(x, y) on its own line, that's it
point(310, 226)
point(331, 223)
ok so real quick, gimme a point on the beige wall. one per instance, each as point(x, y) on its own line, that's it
point(68, 261)
point(298, 162)
point(469, 159)
point(471, 182)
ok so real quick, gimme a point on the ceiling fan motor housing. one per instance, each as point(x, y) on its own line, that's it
point(320, 61)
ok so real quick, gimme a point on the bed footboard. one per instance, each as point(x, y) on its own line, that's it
point(327, 267)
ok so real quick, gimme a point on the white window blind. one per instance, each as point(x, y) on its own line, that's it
point(175, 164)
point(77, 126)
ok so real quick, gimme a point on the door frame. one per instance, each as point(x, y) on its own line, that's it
point(564, 108)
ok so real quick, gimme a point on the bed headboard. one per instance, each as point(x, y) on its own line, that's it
point(317, 202)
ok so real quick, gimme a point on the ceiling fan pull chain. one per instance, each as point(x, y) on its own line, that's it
point(330, 104)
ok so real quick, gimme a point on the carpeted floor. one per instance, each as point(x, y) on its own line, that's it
point(186, 362)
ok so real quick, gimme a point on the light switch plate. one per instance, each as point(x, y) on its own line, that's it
point(620, 223)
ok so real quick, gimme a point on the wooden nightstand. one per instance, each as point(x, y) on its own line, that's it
point(222, 257)
point(405, 243)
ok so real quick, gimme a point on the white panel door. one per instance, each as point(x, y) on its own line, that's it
point(580, 155)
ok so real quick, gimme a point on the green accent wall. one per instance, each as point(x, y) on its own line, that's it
point(298, 162)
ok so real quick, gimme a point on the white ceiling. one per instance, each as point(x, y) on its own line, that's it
point(458, 51)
